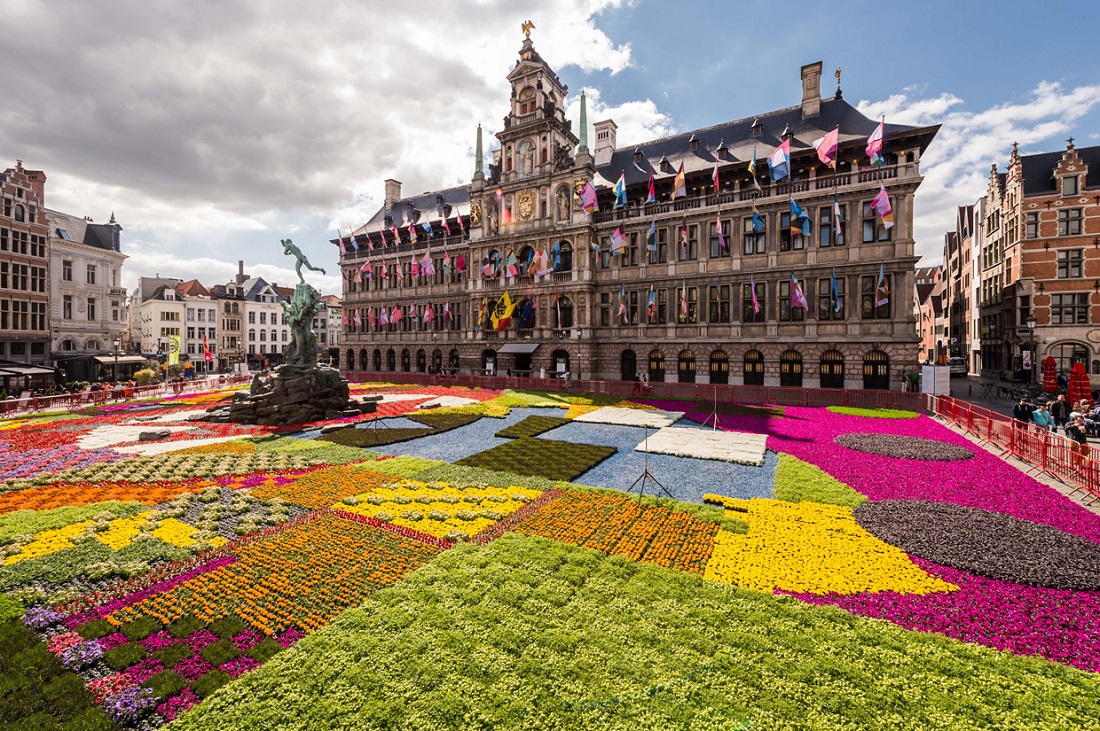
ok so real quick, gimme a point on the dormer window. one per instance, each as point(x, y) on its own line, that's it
point(1069, 185)
point(693, 143)
point(637, 157)
point(757, 128)
point(526, 102)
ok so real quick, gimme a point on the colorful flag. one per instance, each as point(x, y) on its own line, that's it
point(779, 162)
point(511, 264)
point(344, 275)
point(447, 312)
point(684, 299)
point(752, 172)
point(414, 267)
point(596, 248)
point(527, 316)
point(461, 226)
point(651, 303)
point(881, 203)
point(651, 239)
point(396, 235)
point(758, 222)
point(383, 316)
point(358, 276)
point(396, 315)
point(357, 319)
point(397, 271)
point(798, 297)
point(427, 229)
point(556, 251)
point(620, 191)
point(206, 354)
point(826, 147)
point(589, 202)
point(618, 242)
point(385, 271)
point(173, 349)
point(481, 312)
point(460, 264)
point(370, 241)
point(502, 313)
point(340, 241)
point(370, 316)
point(837, 224)
point(354, 241)
point(874, 144)
point(412, 312)
point(684, 240)
point(721, 236)
point(882, 291)
point(447, 269)
point(752, 288)
point(412, 232)
point(345, 317)
point(799, 216)
point(651, 196)
point(427, 265)
point(446, 226)
point(679, 184)
point(835, 293)
point(622, 304)
point(557, 307)
point(714, 179)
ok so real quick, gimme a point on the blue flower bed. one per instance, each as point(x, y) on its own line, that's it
point(685, 478)
point(459, 443)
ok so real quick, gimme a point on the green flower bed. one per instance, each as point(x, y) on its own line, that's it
point(531, 426)
point(541, 457)
point(74, 563)
point(29, 522)
point(873, 412)
point(370, 436)
point(796, 481)
point(403, 466)
point(442, 422)
point(36, 692)
point(528, 633)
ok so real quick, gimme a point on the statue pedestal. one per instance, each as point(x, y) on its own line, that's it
point(293, 394)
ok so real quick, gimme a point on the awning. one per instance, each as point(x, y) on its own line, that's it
point(519, 348)
point(21, 370)
point(122, 359)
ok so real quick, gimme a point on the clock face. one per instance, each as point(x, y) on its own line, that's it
point(526, 205)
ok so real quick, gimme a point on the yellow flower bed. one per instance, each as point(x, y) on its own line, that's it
point(810, 548)
point(447, 500)
point(123, 531)
point(241, 447)
point(180, 534)
point(576, 410)
point(205, 398)
point(50, 541)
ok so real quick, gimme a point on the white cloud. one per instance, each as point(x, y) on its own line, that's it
point(636, 121)
point(151, 261)
point(956, 166)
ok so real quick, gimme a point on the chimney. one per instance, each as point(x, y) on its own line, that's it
point(605, 140)
point(37, 179)
point(393, 192)
point(811, 90)
point(241, 276)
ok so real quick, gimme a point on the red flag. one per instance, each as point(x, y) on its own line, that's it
point(206, 354)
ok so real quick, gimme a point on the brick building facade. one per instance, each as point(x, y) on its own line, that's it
point(24, 267)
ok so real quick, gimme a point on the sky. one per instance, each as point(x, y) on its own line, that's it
point(214, 130)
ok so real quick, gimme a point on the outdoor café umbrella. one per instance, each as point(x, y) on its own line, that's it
point(1050, 378)
point(1079, 384)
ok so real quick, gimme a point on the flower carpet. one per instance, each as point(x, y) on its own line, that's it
point(489, 562)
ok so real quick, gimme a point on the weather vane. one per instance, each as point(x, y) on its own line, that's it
point(527, 27)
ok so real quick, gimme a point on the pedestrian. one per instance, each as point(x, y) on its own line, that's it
point(1042, 418)
point(914, 380)
point(1080, 446)
point(1022, 411)
point(1063, 382)
point(1060, 411)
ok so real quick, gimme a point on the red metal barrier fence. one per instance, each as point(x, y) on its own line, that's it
point(92, 398)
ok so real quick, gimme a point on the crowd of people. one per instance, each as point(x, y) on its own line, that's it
point(1078, 421)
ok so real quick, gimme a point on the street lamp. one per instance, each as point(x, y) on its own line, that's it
point(1030, 321)
point(117, 342)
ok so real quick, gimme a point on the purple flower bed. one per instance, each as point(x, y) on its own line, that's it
point(29, 462)
point(177, 704)
point(130, 705)
point(1063, 626)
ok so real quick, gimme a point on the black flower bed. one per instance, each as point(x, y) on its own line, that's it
point(532, 426)
point(892, 445)
point(985, 543)
point(372, 436)
point(541, 458)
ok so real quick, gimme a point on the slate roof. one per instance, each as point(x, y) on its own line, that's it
point(923, 290)
point(153, 287)
point(1038, 170)
point(424, 207)
point(98, 235)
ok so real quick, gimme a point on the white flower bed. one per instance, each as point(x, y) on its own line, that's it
point(447, 402)
point(722, 446)
point(654, 419)
point(105, 436)
point(153, 448)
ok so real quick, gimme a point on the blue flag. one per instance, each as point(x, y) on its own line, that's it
point(651, 241)
point(800, 216)
point(557, 255)
point(836, 294)
point(757, 221)
point(620, 191)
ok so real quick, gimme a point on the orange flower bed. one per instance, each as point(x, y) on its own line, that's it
point(302, 577)
point(221, 448)
point(45, 497)
point(620, 526)
point(323, 487)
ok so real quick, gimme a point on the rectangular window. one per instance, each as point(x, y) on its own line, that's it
point(1031, 223)
point(263, 318)
point(869, 296)
point(690, 251)
point(873, 230)
point(38, 316)
point(1069, 263)
point(91, 274)
point(719, 310)
point(716, 248)
point(660, 310)
point(827, 309)
point(748, 310)
point(660, 254)
point(91, 308)
point(1069, 309)
point(1069, 222)
point(786, 312)
point(67, 307)
point(252, 318)
point(38, 279)
point(66, 270)
point(692, 314)
point(1069, 185)
point(754, 242)
point(790, 239)
point(605, 309)
point(630, 254)
point(827, 233)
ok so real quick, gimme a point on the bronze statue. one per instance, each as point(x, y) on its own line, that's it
point(290, 248)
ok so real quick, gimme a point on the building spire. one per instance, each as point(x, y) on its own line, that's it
point(583, 146)
point(479, 162)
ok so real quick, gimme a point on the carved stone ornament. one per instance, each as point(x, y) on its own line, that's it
point(578, 186)
point(563, 204)
point(475, 213)
point(526, 205)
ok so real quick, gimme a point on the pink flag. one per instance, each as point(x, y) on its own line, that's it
point(721, 236)
point(826, 147)
point(370, 316)
point(429, 313)
point(714, 179)
point(589, 202)
point(874, 143)
point(460, 263)
point(414, 268)
point(798, 297)
point(396, 315)
point(357, 319)
point(755, 302)
point(881, 204)
point(447, 312)
point(340, 240)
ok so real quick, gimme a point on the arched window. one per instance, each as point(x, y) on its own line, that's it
point(685, 367)
point(559, 361)
point(252, 336)
point(563, 313)
point(362, 361)
point(490, 264)
point(68, 345)
point(754, 368)
point(562, 259)
point(876, 370)
point(832, 369)
point(363, 365)
point(19, 215)
point(391, 360)
point(656, 366)
point(525, 102)
point(526, 260)
point(453, 359)
point(92, 345)
point(525, 314)
point(628, 365)
point(263, 336)
point(1066, 354)
point(406, 360)
point(421, 361)
point(719, 367)
point(377, 359)
point(790, 369)
point(437, 359)
point(489, 361)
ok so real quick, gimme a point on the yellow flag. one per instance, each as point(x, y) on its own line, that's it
point(502, 314)
point(173, 349)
